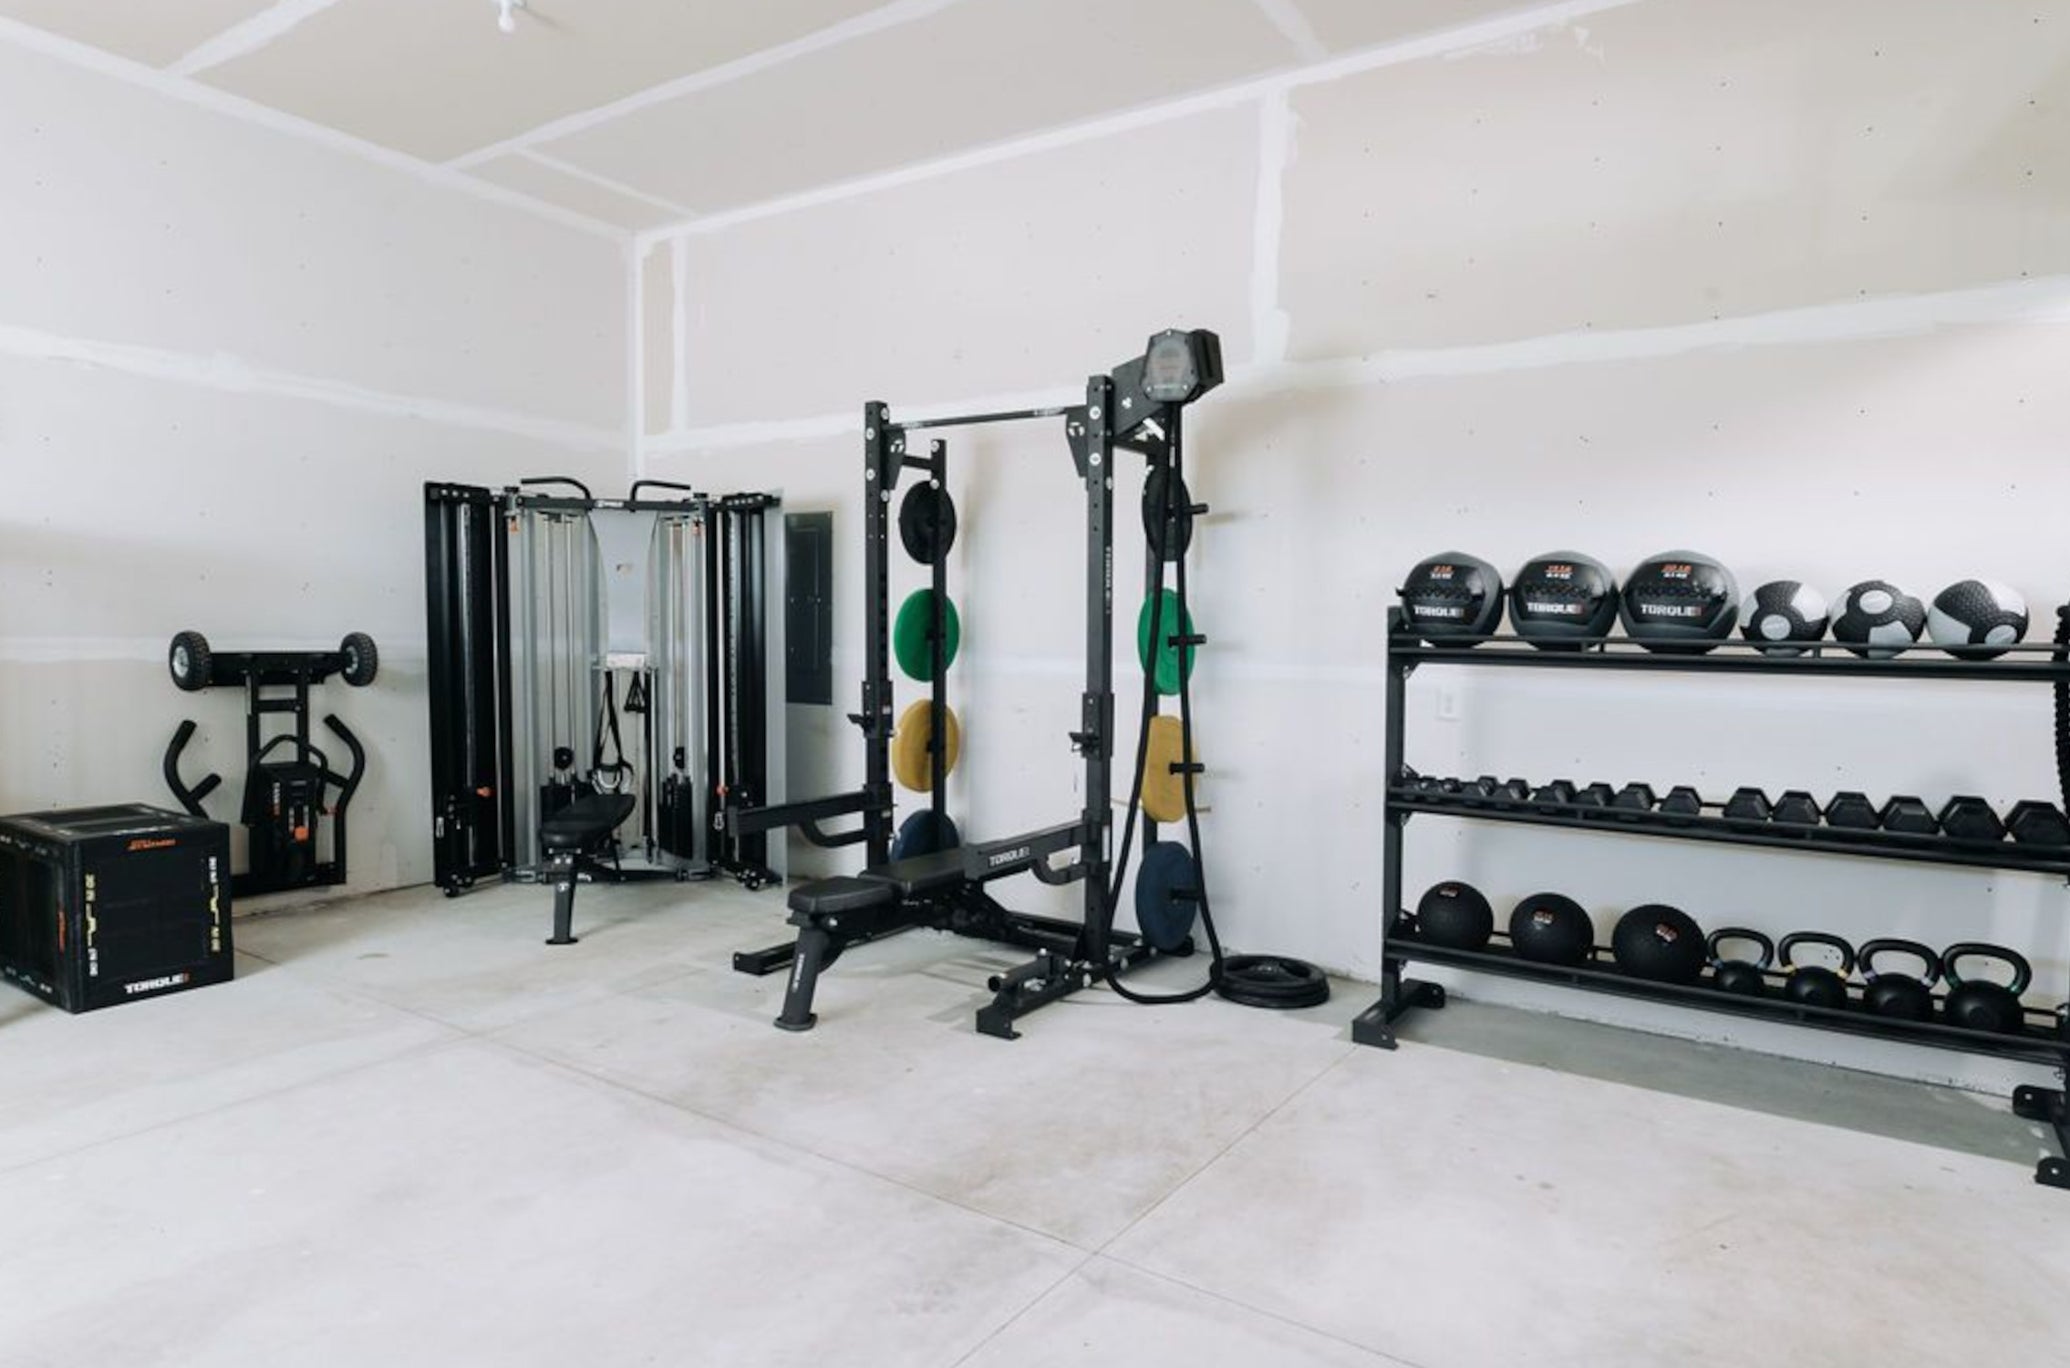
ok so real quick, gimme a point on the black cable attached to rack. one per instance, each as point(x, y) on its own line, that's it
point(1269, 981)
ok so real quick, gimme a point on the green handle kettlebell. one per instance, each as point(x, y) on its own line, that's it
point(1899, 995)
point(1814, 985)
point(1745, 977)
point(1979, 1004)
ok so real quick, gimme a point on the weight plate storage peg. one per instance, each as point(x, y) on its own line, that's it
point(2035, 823)
point(911, 742)
point(1164, 781)
point(1167, 896)
point(1969, 818)
point(927, 523)
point(1748, 978)
point(1174, 664)
point(912, 634)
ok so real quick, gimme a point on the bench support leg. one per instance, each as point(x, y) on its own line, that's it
point(563, 871)
point(810, 958)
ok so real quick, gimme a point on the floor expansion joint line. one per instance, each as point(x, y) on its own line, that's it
point(1015, 1319)
point(1269, 1314)
point(783, 1142)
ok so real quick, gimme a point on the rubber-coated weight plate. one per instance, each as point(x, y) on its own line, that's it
point(925, 833)
point(1169, 533)
point(1164, 793)
point(912, 634)
point(910, 763)
point(1167, 895)
point(1171, 661)
point(927, 523)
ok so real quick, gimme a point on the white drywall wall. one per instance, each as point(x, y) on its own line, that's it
point(1788, 283)
point(229, 359)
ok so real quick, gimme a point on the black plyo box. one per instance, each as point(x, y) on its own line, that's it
point(112, 904)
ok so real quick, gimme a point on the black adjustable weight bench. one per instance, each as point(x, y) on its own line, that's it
point(572, 839)
point(945, 891)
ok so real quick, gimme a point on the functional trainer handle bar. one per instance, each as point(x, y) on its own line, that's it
point(633, 495)
point(190, 798)
point(559, 480)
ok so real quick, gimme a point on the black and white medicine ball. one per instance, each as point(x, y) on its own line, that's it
point(1977, 619)
point(1680, 601)
point(1783, 613)
point(1878, 620)
point(1560, 596)
point(1452, 595)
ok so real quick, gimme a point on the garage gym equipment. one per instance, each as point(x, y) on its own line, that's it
point(1136, 407)
point(1659, 942)
point(1552, 929)
point(1815, 985)
point(1783, 615)
point(558, 622)
point(1453, 595)
point(1878, 620)
point(1851, 811)
point(1455, 914)
point(2037, 823)
point(1796, 808)
point(1749, 804)
point(1977, 619)
point(1679, 601)
point(1980, 1004)
point(1749, 978)
point(1562, 597)
point(1969, 818)
point(1908, 816)
point(1635, 799)
point(1682, 801)
point(285, 799)
point(1903, 996)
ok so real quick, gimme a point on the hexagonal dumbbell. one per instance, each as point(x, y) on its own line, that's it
point(1596, 795)
point(1908, 816)
point(2043, 824)
point(1554, 797)
point(1749, 805)
point(1851, 811)
point(1969, 818)
point(1682, 802)
point(1796, 808)
point(1632, 801)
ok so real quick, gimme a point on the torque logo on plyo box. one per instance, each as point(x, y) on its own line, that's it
point(152, 985)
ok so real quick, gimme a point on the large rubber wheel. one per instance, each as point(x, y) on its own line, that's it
point(189, 661)
point(362, 661)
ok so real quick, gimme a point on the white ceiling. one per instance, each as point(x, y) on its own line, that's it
point(642, 113)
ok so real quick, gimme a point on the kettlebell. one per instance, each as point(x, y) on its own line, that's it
point(1979, 1004)
point(1745, 977)
point(1898, 995)
point(1814, 985)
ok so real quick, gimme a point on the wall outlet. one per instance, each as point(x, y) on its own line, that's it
point(1447, 703)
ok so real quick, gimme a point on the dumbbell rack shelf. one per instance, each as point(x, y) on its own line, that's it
point(2046, 1040)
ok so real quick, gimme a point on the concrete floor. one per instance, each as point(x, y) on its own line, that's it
point(411, 1134)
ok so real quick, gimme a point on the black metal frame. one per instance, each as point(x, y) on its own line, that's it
point(470, 660)
point(2046, 1039)
point(1071, 956)
point(255, 672)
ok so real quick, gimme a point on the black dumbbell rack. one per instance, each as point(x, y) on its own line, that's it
point(2046, 1039)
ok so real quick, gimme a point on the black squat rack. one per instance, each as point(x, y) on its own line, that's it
point(2045, 1037)
point(1137, 407)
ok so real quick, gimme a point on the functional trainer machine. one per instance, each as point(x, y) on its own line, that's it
point(284, 799)
point(558, 622)
point(939, 883)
